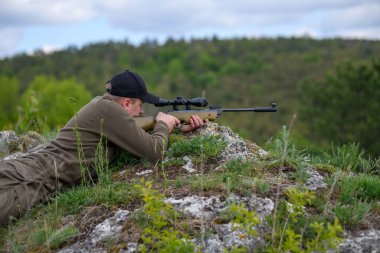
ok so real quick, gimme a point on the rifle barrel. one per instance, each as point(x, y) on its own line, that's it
point(272, 108)
point(256, 109)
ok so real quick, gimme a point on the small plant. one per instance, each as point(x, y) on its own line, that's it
point(320, 202)
point(234, 170)
point(173, 162)
point(296, 231)
point(101, 160)
point(211, 181)
point(357, 195)
point(352, 214)
point(86, 177)
point(262, 186)
point(287, 155)
point(159, 223)
point(52, 239)
point(242, 220)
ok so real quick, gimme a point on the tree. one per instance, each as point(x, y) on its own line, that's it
point(345, 107)
point(9, 97)
point(50, 103)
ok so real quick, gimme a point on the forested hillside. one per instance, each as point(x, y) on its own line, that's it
point(45, 90)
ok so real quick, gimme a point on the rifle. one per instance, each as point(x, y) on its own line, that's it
point(212, 113)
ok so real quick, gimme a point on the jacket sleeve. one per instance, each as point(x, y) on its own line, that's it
point(122, 130)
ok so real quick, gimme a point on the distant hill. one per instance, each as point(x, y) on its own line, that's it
point(232, 73)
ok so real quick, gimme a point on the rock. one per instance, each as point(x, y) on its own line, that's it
point(214, 245)
point(144, 173)
point(13, 146)
point(189, 166)
point(236, 146)
point(263, 207)
point(197, 206)
point(230, 236)
point(315, 180)
point(132, 247)
point(8, 142)
point(107, 230)
point(367, 241)
point(208, 208)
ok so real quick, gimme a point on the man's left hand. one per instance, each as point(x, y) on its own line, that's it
point(194, 122)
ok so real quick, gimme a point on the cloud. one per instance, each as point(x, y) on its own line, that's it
point(9, 37)
point(364, 15)
point(185, 15)
point(158, 19)
point(44, 12)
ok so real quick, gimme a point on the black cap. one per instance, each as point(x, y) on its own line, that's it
point(130, 84)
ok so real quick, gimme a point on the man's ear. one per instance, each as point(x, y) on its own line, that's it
point(125, 102)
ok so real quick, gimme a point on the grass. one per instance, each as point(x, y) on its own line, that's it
point(209, 146)
point(358, 195)
point(44, 223)
point(349, 157)
point(361, 186)
point(353, 213)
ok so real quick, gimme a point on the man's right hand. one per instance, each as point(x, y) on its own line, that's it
point(169, 120)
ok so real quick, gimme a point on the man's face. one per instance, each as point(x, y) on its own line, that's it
point(134, 107)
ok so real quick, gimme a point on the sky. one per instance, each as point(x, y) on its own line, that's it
point(49, 25)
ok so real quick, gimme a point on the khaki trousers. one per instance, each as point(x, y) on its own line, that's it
point(21, 188)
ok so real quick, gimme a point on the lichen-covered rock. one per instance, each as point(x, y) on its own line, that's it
point(226, 236)
point(13, 145)
point(237, 147)
point(9, 142)
point(367, 241)
point(315, 181)
point(107, 230)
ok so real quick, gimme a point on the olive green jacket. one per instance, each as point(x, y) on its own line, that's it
point(100, 128)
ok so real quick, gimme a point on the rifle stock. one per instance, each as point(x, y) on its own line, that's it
point(147, 122)
point(185, 115)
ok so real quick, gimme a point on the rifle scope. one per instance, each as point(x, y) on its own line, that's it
point(199, 102)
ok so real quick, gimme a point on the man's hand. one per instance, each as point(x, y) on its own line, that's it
point(195, 122)
point(169, 120)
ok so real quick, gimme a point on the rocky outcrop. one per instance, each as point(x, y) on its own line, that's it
point(203, 209)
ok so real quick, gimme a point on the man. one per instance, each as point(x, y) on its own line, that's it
point(106, 122)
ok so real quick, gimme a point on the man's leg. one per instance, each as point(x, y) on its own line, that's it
point(9, 206)
point(18, 191)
